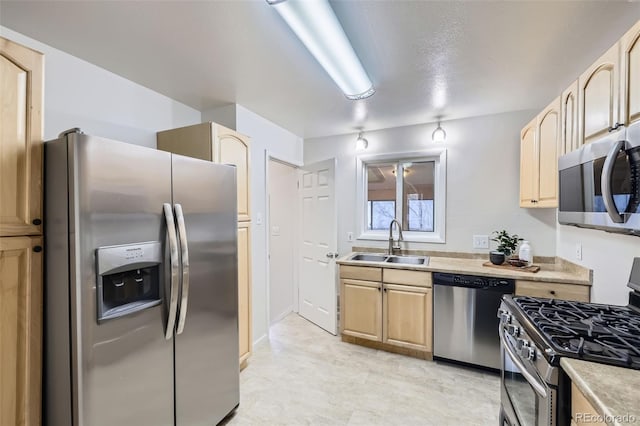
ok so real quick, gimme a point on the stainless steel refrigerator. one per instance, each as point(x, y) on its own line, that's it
point(141, 299)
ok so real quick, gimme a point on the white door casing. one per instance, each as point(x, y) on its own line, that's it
point(318, 246)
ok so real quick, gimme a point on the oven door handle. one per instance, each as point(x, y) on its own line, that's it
point(539, 388)
point(605, 182)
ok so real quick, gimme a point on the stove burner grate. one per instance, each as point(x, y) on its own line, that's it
point(601, 333)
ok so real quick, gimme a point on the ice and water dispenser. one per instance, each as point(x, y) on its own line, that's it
point(128, 279)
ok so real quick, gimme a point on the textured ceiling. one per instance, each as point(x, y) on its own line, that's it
point(427, 59)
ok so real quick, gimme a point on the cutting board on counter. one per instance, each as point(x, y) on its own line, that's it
point(532, 268)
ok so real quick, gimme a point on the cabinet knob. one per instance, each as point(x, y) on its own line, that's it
point(615, 127)
point(552, 292)
point(36, 221)
point(37, 249)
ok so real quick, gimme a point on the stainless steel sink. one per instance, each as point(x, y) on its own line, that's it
point(369, 257)
point(409, 260)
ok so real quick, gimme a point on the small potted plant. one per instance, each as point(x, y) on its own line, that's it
point(507, 244)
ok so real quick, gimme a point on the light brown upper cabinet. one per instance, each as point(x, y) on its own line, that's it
point(598, 96)
point(528, 162)
point(21, 75)
point(539, 159)
point(213, 142)
point(569, 119)
point(630, 75)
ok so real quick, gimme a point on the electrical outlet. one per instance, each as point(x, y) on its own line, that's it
point(349, 236)
point(480, 241)
point(579, 251)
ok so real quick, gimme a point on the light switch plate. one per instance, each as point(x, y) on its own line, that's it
point(480, 241)
point(578, 251)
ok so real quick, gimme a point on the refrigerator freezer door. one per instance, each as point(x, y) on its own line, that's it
point(206, 352)
point(121, 369)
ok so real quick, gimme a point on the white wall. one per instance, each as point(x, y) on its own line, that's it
point(482, 180)
point(80, 94)
point(266, 139)
point(608, 255)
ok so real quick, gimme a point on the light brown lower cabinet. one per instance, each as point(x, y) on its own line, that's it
point(407, 316)
point(395, 315)
point(244, 291)
point(361, 309)
point(550, 290)
point(20, 330)
point(582, 412)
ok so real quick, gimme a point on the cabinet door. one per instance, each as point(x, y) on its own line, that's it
point(233, 148)
point(630, 75)
point(361, 309)
point(244, 290)
point(548, 141)
point(528, 165)
point(21, 79)
point(407, 317)
point(569, 119)
point(599, 96)
point(20, 330)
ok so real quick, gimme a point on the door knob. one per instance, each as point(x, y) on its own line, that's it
point(332, 255)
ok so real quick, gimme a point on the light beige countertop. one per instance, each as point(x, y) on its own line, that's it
point(613, 391)
point(555, 270)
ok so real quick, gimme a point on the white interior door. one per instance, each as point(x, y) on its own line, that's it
point(283, 225)
point(318, 248)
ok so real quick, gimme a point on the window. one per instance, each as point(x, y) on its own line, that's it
point(410, 188)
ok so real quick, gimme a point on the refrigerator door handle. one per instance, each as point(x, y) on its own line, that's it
point(175, 264)
point(182, 232)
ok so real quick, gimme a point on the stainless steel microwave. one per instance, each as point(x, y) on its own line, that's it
point(600, 184)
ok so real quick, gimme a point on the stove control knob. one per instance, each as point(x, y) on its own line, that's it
point(527, 351)
point(513, 330)
point(531, 353)
point(504, 315)
point(520, 343)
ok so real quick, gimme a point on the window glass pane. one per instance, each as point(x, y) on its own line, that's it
point(418, 196)
point(381, 195)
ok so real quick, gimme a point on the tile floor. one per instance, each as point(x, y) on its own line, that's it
point(305, 376)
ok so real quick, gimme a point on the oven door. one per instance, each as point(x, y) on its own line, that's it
point(526, 399)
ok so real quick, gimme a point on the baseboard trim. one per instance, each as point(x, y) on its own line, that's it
point(389, 348)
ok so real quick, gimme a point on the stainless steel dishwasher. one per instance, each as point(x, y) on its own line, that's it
point(465, 322)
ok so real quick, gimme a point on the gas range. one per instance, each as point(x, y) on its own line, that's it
point(600, 333)
point(536, 333)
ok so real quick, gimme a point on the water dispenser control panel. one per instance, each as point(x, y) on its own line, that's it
point(128, 279)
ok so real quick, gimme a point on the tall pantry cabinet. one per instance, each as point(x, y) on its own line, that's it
point(21, 90)
point(213, 142)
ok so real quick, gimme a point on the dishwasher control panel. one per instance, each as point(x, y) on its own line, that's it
point(505, 285)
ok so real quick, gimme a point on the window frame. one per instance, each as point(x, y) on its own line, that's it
point(439, 157)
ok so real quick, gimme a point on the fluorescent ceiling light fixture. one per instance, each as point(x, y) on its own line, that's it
point(315, 24)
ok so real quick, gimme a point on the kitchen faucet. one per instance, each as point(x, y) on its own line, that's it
point(393, 246)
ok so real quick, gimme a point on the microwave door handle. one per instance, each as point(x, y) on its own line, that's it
point(174, 263)
point(605, 182)
point(182, 232)
point(538, 387)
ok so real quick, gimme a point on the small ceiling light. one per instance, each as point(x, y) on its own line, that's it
point(439, 135)
point(316, 25)
point(361, 142)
